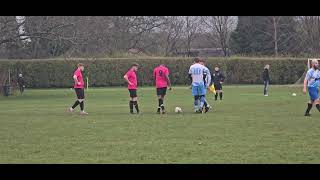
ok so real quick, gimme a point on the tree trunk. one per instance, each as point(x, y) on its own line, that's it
point(275, 37)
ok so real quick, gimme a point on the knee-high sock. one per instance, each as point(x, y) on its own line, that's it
point(82, 105)
point(308, 108)
point(135, 103)
point(202, 100)
point(220, 95)
point(131, 106)
point(161, 103)
point(196, 103)
point(75, 104)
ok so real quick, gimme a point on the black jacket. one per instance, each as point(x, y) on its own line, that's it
point(265, 75)
point(21, 81)
point(217, 77)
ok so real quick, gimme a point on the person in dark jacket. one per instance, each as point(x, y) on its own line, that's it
point(21, 83)
point(217, 79)
point(266, 79)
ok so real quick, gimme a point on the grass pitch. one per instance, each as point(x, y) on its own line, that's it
point(245, 127)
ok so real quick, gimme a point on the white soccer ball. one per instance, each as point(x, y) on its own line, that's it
point(294, 94)
point(178, 110)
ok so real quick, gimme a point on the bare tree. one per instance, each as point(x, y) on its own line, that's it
point(192, 27)
point(309, 31)
point(219, 29)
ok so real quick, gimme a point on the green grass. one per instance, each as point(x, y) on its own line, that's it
point(245, 127)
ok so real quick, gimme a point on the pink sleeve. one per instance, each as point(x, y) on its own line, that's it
point(128, 74)
point(167, 72)
point(76, 73)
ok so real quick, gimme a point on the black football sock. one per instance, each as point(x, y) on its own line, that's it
point(161, 104)
point(75, 104)
point(205, 104)
point(318, 107)
point(220, 95)
point(82, 106)
point(135, 103)
point(308, 108)
point(131, 106)
point(216, 96)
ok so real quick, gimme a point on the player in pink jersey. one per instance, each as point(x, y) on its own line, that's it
point(132, 81)
point(162, 81)
point(79, 89)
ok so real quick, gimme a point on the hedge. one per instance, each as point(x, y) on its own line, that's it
point(109, 72)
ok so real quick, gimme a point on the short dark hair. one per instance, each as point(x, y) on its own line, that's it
point(134, 64)
point(202, 60)
point(197, 60)
point(80, 64)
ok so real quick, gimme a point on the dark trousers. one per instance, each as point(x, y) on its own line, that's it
point(21, 88)
point(266, 85)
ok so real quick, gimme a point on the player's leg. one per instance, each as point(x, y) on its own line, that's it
point(217, 92)
point(313, 96)
point(81, 100)
point(135, 100)
point(160, 100)
point(317, 101)
point(131, 101)
point(195, 94)
point(77, 102)
point(202, 97)
point(163, 92)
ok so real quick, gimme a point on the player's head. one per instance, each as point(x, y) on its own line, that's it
point(81, 66)
point(202, 61)
point(216, 68)
point(315, 63)
point(197, 60)
point(267, 66)
point(135, 66)
point(20, 75)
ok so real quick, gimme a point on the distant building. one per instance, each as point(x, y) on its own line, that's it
point(206, 52)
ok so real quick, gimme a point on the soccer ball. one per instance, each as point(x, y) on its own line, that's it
point(294, 94)
point(178, 110)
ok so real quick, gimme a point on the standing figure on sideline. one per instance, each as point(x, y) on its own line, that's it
point(218, 79)
point(21, 83)
point(266, 79)
point(197, 74)
point(162, 81)
point(312, 81)
point(79, 89)
point(131, 78)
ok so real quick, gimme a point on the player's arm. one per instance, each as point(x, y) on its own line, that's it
point(221, 78)
point(209, 80)
point(168, 81)
point(305, 82)
point(75, 78)
point(127, 79)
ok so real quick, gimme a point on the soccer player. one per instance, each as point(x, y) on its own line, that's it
point(21, 83)
point(218, 79)
point(79, 89)
point(207, 83)
point(312, 81)
point(162, 80)
point(131, 78)
point(197, 73)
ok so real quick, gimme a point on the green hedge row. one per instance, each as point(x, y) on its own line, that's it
point(109, 72)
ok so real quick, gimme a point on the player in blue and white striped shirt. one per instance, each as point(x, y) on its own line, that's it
point(197, 74)
point(312, 81)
